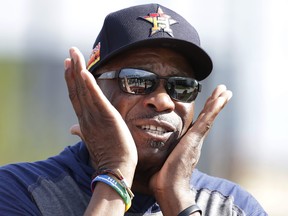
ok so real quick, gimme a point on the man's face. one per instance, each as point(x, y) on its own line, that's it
point(156, 121)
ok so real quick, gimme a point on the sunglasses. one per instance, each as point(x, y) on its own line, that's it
point(141, 82)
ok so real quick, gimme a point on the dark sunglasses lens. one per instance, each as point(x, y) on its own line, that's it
point(136, 81)
point(182, 89)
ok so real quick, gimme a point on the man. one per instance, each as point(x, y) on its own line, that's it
point(140, 145)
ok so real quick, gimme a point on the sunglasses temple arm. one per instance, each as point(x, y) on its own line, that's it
point(199, 87)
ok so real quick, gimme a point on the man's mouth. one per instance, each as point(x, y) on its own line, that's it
point(154, 129)
point(156, 133)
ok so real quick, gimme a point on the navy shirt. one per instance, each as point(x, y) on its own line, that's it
point(60, 185)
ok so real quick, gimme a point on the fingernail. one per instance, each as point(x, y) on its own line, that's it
point(230, 96)
point(66, 64)
point(73, 55)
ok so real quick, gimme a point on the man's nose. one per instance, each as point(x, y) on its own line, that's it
point(159, 99)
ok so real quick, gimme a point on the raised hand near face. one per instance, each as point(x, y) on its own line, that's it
point(172, 181)
point(105, 133)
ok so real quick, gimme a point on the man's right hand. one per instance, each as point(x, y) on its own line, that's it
point(104, 131)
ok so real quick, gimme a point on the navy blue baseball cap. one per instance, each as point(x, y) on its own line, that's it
point(150, 25)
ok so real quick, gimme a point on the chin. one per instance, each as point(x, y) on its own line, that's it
point(151, 159)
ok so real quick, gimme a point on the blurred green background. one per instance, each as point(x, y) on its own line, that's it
point(35, 115)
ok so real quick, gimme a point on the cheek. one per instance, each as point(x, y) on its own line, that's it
point(123, 102)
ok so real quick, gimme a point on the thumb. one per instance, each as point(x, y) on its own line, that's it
point(76, 130)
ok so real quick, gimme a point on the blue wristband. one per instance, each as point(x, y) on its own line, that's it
point(116, 186)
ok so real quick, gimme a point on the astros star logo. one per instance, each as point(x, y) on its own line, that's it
point(160, 22)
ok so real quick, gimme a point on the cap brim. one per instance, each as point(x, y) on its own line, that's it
point(199, 59)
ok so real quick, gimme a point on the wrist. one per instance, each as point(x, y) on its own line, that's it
point(127, 169)
point(116, 181)
point(191, 210)
point(174, 201)
point(105, 201)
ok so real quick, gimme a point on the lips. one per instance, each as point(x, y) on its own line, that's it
point(155, 129)
point(158, 130)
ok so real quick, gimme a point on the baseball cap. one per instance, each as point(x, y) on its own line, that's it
point(150, 25)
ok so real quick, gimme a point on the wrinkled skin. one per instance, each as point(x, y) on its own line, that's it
point(111, 124)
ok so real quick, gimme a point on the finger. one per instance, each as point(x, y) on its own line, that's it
point(86, 87)
point(210, 111)
point(218, 102)
point(78, 59)
point(97, 96)
point(87, 81)
point(218, 90)
point(78, 69)
point(71, 86)
point(90, 96)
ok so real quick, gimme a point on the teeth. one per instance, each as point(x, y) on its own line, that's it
point(154, 129)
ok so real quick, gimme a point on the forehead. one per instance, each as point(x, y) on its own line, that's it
point(162, 61)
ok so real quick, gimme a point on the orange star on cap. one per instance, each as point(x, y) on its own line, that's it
point(160, 21)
